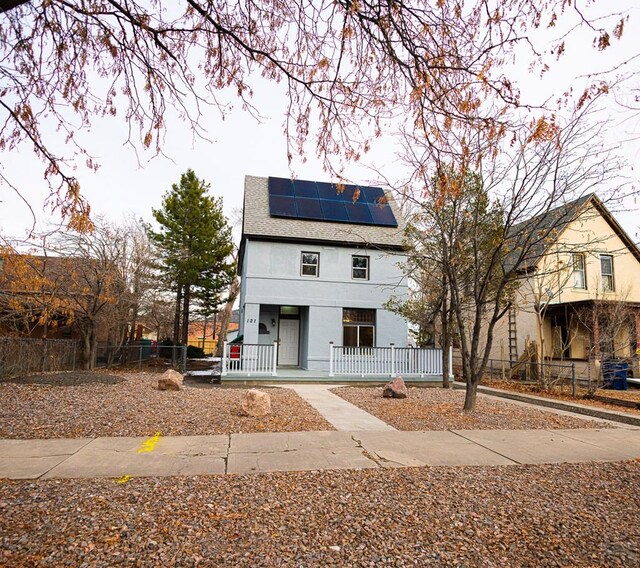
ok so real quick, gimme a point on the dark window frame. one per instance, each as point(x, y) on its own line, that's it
point(581, 269)
point(607, 278)
point(362, 325)
point(354, 268)
point(304, 264)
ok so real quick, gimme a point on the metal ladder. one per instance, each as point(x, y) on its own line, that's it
point(513, 336)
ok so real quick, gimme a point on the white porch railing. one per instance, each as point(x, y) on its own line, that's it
point(390, 361)
point(249, 359)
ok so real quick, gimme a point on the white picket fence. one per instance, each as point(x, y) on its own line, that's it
point(249, 359)
point(405, 361)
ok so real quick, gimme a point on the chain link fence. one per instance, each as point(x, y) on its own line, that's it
point(21, 356)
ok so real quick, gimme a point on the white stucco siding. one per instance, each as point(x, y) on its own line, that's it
point(271, 275)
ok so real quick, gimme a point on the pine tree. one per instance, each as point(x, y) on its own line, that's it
point(194, 245)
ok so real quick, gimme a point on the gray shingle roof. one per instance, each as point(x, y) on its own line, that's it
point(258, 223)
point(535, 235)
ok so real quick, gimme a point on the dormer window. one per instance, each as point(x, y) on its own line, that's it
point(310, 264)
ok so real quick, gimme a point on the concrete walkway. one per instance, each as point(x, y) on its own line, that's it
point(304, 451)
point(342, 415)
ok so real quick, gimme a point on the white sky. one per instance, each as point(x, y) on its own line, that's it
point(242, 146)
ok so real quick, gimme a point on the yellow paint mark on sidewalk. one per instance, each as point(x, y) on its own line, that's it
point(149, 444)
point(123, 479)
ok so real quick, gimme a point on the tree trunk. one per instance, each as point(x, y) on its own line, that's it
point(186, 299)
point(446, 335)
point(226, 315)
point(86, 350)
point(204, 333)
point(176, 320)
point(93, 356)
point(470, 395)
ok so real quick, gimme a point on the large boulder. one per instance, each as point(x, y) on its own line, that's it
point(171, 380)
point(395, 389)
point(256, 403)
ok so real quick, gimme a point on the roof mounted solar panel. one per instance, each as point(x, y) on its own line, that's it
point(282, 206)
point(321, 201)
point(280, 186)
point(382, 215)
point(307, 189)
point(309, 209)
point(334, 210)
point(358, 212)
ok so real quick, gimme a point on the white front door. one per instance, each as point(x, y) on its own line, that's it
point(288, 348)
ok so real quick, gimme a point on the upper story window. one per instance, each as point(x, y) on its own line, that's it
point(579, 271)
point(606, 271)
point(310, 264)
point(360, 267)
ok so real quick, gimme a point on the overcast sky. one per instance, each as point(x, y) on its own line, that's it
point(240, 145)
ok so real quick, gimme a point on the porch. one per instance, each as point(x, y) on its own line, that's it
point(346, 364)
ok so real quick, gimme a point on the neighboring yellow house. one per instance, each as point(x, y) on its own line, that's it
point(579, 297)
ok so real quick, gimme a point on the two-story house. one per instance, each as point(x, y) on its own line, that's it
point(318, 261)
point(579, 295)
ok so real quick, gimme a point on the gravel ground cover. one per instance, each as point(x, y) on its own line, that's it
point(564, 393)
point(441, 409)
point(551, 515)
point(69, 405)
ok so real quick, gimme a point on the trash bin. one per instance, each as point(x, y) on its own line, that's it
point(620, 376)
point(615, 374)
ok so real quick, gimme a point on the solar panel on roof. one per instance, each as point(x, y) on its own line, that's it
point(371, 194)
point(327, 191)
point(305, 189)
point(280, 186)
point(321, 201)
point(282, 206)
point(334, 210)
point(309, 208)
point(359, 213)
point(382, 215)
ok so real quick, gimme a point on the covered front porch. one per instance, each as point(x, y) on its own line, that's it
point(260, 362)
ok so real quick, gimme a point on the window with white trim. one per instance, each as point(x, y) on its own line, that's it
point(358, 327)
point(360, 267)
point(310, 264)
point(579, 271)
point(606, 272)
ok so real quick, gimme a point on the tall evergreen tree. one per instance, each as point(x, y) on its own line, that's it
point(194, 243)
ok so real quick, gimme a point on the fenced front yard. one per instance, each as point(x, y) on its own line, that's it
point(242, 359)
point(23, 356)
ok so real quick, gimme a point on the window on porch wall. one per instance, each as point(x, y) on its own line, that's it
point(358, 327)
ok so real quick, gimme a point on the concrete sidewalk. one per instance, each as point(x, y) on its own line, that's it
point(303, 451)
point(341, 414)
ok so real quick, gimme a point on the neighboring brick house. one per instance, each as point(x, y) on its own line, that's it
point(579, 297)
point(317, 264)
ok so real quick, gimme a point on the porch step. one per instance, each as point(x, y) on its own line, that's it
point(342, 415)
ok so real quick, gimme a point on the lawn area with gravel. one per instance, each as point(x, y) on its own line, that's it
point(441, 409)
point(75, 405)
point(549, 515)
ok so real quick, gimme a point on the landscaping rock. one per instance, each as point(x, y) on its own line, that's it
point(170, 380)
point(395, 389)
point(256, 403)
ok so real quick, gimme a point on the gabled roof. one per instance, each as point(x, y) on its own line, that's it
point(551, 224)
point(258, 223)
